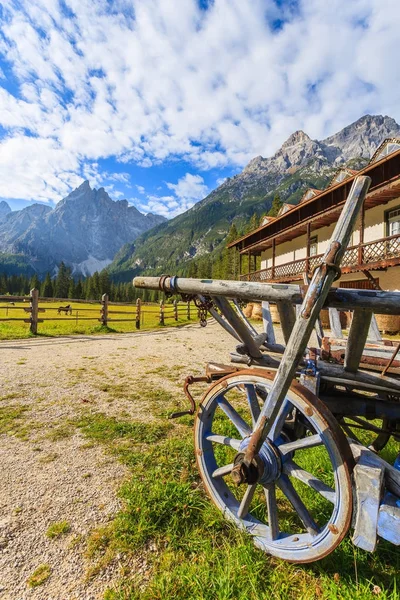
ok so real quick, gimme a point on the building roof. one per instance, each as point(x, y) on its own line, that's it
point(341, 175)
point(388, 146)
point(308, 194)
point(322, 209)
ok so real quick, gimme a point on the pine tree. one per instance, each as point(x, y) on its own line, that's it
point(275, 206)
point(79, 289)
point(104, 283)
point(47, 287)
point(62, 281)
point(34, 283)
point(72, 289)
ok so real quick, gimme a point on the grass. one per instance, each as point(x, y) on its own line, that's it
point(72, 325)
point(186, 549)
point(11, 418)
point(56, 530)
point(39, 576)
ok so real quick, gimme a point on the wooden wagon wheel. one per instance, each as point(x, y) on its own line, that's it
point(300, 507)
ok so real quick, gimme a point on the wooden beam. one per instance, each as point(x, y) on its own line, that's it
point(273, 258)
point(358, 334)
point(287, 317)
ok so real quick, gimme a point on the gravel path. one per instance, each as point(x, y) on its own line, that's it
point(50, 473)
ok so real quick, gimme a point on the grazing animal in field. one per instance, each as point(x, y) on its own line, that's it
point(11, 304)
point(67, 310)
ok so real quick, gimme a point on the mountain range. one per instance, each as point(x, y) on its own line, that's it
point(89, 231)
point(84, 230)
point(300, 163)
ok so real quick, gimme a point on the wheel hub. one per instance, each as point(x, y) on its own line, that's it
point(267, 466)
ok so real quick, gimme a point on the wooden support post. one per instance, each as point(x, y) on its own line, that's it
point(248, 265)
point(273, 259)
point(162, 322)
point(238, 325)
point(287, 317)
point(240, 264)
point(104, 310)
point(334, 321)
point(267, 322)
point(308, 249)
point(357, 337)
point(188, 311)
point(34, 294)
point(138, 307)
point(176, 309)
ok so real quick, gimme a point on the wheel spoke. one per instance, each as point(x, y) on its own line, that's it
point(297, 503)
point(222, 439)
point(307, 442)
point(246, 500)
point(276, 427)
point(253, 403)
point(221, 471)
point(270, 496)
point(234, 416)
point(293, 469)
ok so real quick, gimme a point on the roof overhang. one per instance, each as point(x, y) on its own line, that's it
point(323, 209)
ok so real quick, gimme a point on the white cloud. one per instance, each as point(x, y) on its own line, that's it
point(140, 189)
point(214, 87)
point(188, 190)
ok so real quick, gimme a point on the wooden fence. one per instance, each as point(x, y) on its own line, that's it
point(109, 312)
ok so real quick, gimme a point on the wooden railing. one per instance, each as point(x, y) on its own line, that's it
point(377, 254)
point(29, 309)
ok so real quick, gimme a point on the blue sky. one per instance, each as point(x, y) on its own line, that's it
point(159, 100)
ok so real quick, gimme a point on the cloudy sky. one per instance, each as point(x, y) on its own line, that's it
point(159, 100)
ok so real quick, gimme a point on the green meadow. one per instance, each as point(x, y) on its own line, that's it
point(85, 319)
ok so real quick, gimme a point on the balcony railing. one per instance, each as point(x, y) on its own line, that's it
point(378, 254)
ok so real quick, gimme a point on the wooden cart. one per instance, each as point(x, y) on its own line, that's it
point(287, 437)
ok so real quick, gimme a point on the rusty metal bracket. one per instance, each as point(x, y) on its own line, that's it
point(190, 380)
point(392, 359)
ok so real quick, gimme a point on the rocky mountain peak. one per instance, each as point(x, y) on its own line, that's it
point(298, 137)
point(4, 209)
point(362, 138)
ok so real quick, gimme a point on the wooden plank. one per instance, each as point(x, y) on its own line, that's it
point(267, 322)
point(389, 519)
point(392, 475)
point(287, 317)
point(358, 333)
point(384, 302)
point(334, 321)
point(318, 324)
point(368, 489)
point(238, 325)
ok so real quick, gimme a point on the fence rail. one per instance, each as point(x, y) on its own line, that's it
point(65, 312)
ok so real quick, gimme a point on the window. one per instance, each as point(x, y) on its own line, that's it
point(393, 221)
point(314, 245)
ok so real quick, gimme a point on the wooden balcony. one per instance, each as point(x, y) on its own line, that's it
point(376, 255)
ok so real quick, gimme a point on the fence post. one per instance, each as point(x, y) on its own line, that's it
point(138, 303)
point(104, 310)
point(176, 310)
point(188, 311)
point(34, 294)
point(161, 312)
